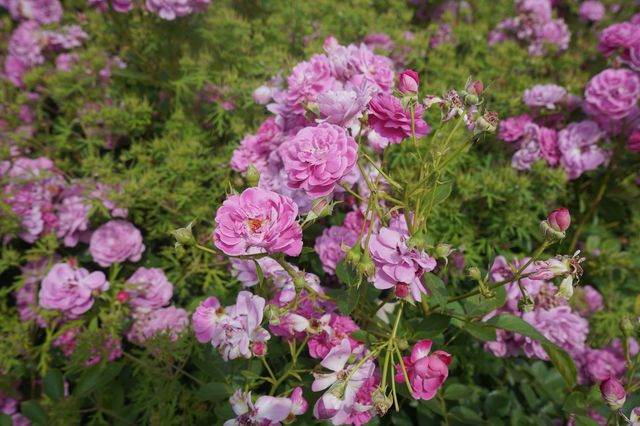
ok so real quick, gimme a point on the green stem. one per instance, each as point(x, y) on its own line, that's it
point(386, 176)
point(404, 370)
point(443, 405)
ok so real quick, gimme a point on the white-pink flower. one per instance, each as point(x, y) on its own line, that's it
point(266, 411)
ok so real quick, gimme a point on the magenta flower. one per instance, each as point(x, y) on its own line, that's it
point(267, 410)
point(255, 149)
point(396, 262)
point(624, 35)
point(426, 372)
point(308, 80)
point(329, 246)
point(171, 9)
point(512, 128)
point(613, 393)
point(170, 320)
point(116, 241)
point(612, 93)
point(233, 329)
point(73, 216)
point(258, 218)
point(408, 83)
point(338, 401)
point(559, 219)
point(151, 288)
point(578, 145)
point(318, 157)
point(33, 273)
point(206, 318)
point(71, 290)
point(343, 107)
point(41, 11)
point(560, 325)
point(591, 10)
point(587, 300)
point(390, 120)
point(544, 95)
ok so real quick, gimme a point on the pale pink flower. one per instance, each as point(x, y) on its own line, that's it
point(116, 241)
point(266, 411)
point(150, 288)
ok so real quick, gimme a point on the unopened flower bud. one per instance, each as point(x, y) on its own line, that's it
point(321, 207)
point(184, 236)
point(252, 175)
point(402, 290)
point(442, 251)
point(559, 219)
point(525, 304)
point(627, 326)
point(273, 315)
point(474, 273)
point(262, 95)
point(472, 92)
point(402, 343)
point(549, 233)
point(259, 349)
point(565, 290)
point(408, 83)
point(613, 393)
point(122, 296)
point(417, 240)
point(488, 122)
point(366, 266)
point(354, 254)
point(300, 280)
point(381, 402)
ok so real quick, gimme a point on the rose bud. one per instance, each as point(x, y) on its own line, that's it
point(408, 83)
point(559, 219)
point(122, 296)
point(402, 290)
point(613, 393)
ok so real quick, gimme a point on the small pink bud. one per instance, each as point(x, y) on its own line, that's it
point(72, 262)
point(259, 348)
point(559, 219)
point(408, 83)
point(122, 296)
point(475, 88)
point(402, 290)
point(613, 393)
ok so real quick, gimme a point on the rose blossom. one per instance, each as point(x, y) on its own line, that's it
point(41, 11)
point(151, 290)
point(408, 83)
point(426, 372)
point(258, 218)
point(512, 128)
point(613, 393)
point(266, 411)
point(116, 241)
point(544, 95)
point(390, 120)
point(206, 317)
point(71, 290)
point(624, 35)
point(329, 246)
point(578, 145)
point(396, 262)
point(171, 320)
point(591, 10)
point(318, 157)
point(612, 93)
point(343, 107)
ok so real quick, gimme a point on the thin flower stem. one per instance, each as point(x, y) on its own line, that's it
point(413, 132)
point(385, 368)
point(393, 386)
point(632, 371)
point(264, 361)
point(443, 405)
point(240, 256)
point(351, 192)
point(386, 176)
point(304, 343)
point(404, 370)
point(363, 360)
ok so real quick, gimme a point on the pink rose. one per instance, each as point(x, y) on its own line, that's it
point(408, 83)
point(426, 372)
point(390, 120)
point(116, 241)
point(258, 218)
point(71, 290)
point(318, 157)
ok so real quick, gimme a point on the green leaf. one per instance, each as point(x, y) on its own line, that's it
point(497, 403)
point(214, 391)
point(466, 414)
point(575, 403)
point(363, 336)
point(457, 391)
point(584, 421)
point(442, 192)
point(346, 273)
point(631, 402)
point(479, 331)
point(53, 385)
point(430, 326)
point(438, 291)
point(94, 377)
point(34, 412)
point(479, 306)
point(558, 356)
point(346, 305)
point(5, 420)
point(259, 272)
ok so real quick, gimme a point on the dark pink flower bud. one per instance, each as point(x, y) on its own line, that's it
point(259, 348)
point(122, 296)
point(402, 290)
point(613, 393)
point(475, 88)
point(408, 83)
point(559, 219)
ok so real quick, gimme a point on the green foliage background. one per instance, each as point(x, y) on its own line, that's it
point(174, 168)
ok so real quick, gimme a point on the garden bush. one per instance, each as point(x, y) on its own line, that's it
point(264, 212)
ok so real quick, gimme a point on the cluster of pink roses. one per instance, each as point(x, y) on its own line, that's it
point(165, 9)
point(610, 103)
point(562, 322)
point(534, 24)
